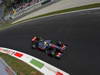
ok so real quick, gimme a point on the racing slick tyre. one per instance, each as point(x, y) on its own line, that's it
point(54, 53)
point(58, 55)
point(33, 46)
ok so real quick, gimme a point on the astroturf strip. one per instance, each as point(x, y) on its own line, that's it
point(37, 63)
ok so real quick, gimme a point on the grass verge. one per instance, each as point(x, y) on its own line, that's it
point(20, 67)
point(95, 5)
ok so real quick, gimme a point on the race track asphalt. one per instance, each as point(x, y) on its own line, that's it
point(81, 30)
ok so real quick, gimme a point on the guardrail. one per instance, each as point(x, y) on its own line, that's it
point(36, 63)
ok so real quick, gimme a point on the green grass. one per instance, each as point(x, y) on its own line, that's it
point(19, 66)
point(6, 25)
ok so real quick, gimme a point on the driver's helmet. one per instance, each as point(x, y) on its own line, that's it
point(46, 43)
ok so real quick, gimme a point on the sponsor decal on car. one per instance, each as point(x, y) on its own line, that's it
point(34, 39)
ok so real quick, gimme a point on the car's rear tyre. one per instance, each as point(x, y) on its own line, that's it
point(58, 55)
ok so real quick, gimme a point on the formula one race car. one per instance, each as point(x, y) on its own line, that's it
point(50, 47)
